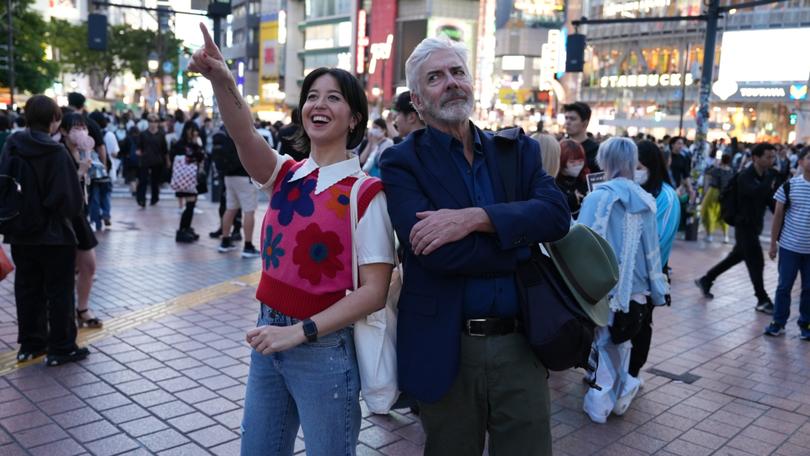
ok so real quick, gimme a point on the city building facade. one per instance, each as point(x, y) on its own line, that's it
point(645, 77)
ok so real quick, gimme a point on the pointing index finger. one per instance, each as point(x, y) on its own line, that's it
point(209, 42)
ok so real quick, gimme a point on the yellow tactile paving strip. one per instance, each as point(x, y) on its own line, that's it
point(8, 360)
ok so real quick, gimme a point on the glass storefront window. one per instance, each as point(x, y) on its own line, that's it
point(326, 8)
point(328, 36)
point(339, 60)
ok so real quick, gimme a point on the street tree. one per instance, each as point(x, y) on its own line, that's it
point(34, 72)
point(128, 49)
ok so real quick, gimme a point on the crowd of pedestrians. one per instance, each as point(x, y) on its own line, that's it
point(435, 191)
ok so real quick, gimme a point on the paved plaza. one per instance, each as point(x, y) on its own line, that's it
point(167, 372)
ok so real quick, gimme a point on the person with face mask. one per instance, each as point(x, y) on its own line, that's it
point(378, 141)
point(80, 144)
point(624, 214)
point(651, 174)
point(572, 178)
point(46, 258)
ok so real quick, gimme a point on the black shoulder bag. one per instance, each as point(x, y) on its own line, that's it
point(559, 333)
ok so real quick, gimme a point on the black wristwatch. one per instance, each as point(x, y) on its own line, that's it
point(310, 330)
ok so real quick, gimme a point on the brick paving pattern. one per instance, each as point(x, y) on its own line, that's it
point(175, 385)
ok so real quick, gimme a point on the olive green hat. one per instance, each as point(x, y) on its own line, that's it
point(589, 268)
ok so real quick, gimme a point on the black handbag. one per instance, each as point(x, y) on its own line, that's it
point(627, 324)
point(202, 182)
point(559, 333)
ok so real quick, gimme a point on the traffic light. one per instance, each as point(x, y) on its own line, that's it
point(575, 53)
point(793, 118)
point(163, 19)
point(97, 32)
point(219, 8)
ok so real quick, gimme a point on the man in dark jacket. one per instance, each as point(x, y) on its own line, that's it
point(153, 160)
point(460, 351)
point(46, 259)
point(755, 188)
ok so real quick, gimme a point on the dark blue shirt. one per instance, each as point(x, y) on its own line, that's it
point(490, 296)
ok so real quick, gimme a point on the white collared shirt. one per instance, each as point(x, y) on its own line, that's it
point(374, 228)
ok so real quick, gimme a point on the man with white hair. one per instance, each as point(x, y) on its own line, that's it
point(461, 353)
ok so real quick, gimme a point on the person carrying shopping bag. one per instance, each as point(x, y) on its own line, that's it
point(303, 367)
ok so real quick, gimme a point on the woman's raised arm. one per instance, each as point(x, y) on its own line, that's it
point(255, 154)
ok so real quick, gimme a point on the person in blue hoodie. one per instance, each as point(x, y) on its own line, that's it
point(625, 215)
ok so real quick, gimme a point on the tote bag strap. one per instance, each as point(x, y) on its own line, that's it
point(353, 209)
point(353, 197)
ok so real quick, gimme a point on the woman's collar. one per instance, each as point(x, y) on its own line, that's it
point(328, 175)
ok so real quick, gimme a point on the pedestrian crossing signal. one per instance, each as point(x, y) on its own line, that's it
point(793, 118)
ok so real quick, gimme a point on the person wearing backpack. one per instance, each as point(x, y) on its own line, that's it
point(791, 221)
point(751, 190)
point(716, 180)
point(44, 252)
point(241, 194)
point(623, 213)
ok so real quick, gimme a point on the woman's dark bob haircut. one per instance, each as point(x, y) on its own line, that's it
point(353, 94)
point(72, 119)
point(650, 155)
point(40, 111)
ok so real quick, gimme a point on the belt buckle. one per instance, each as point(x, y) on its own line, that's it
point(469, 327)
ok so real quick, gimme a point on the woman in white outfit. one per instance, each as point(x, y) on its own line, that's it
point(624, 214)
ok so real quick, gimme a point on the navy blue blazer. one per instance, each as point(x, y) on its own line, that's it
point(419, 177)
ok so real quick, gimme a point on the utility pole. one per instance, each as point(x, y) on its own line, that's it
point(11, 74)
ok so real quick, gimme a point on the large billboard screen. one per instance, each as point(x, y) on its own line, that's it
point(776, 55)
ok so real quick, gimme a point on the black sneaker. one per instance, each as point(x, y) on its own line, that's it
point(76, 355)
point(226, 245)
point(236, 236)
point(704, 287)
point(765, 306)
point(184, 236)
point(107, 222)
point(249, 251)
point(215, 234)
point(194, 233)
point(26, 355)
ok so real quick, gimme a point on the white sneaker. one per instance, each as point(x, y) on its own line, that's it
point(710, 238)
point(198, 211)
point(630, 391)
point(726, 240)
point(598, 419)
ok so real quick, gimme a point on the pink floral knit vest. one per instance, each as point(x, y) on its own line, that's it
point(306, 243)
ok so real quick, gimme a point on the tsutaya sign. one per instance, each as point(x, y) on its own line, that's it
point(646, 80)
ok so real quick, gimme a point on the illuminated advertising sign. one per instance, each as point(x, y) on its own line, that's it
point(530, 13)
point(632, 7)
point(731, 91)
point(362, 42)
point(646, 80)
point(758, 56)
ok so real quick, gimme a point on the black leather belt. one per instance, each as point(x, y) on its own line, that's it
point(481, 327)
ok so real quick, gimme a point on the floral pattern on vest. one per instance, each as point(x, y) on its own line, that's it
point(306, 242)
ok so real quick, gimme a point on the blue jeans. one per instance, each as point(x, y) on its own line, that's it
point(790, 263)
point(314, 385)
point(100, 199)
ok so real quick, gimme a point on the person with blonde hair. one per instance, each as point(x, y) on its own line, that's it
point(549, 153)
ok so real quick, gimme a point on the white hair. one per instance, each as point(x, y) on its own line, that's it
point(618, 157)
point(423, 51)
